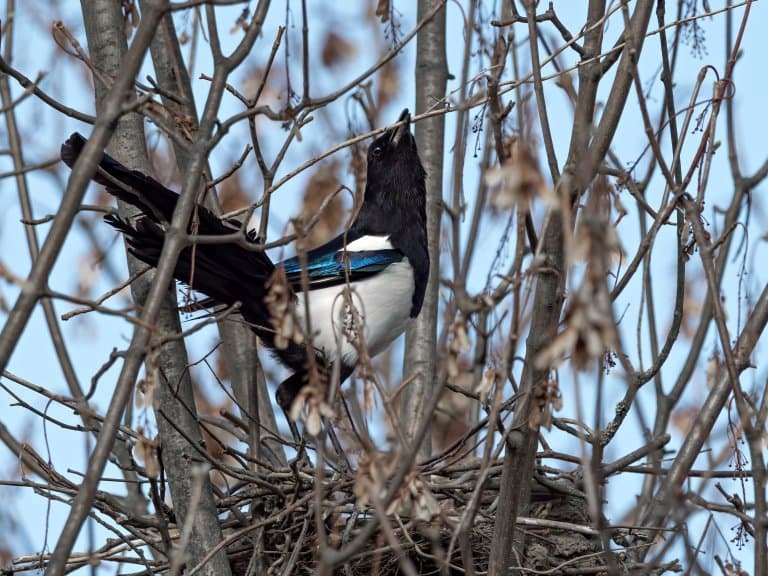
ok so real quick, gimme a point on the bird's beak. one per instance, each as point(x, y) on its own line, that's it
point(403, 129)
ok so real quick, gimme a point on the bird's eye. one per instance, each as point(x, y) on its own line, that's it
point(376, 151)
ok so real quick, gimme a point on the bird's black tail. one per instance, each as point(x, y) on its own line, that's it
point(227, 272)
point(131, 186)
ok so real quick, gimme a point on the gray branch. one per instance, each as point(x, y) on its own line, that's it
point(420, 339)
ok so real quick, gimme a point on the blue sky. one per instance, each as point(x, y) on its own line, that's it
point(92, 338)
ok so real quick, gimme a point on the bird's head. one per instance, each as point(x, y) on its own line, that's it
point(395, 173)
point(395, 142)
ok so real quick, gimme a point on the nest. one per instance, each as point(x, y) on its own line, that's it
point(280, 531)
point(326, 520)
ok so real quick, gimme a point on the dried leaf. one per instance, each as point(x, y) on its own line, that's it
point(145, 393)
point(88, 272)
point(692, 305)
point(216, 438)
point(383, 9)
point(357, 167)
point(281, 308)
point(518, 181)
point(416, 500)
point(683, 418)
point(588, 332)
point(232, 195)
point(369, 479)
point(388, 86)
point(548, 400)
point(145, 450)
point(336, 50)
point(273, 91)
point(310, 405)
point(425, 507)
point(489, 381)
point(596, 240)
point(323, 183)
point(714, 364)
point(458, 343)
point(313, 421)
point(450, 420)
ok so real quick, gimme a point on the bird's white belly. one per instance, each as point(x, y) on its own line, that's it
point(382, 303)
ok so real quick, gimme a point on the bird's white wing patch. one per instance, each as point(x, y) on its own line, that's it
point(383, 304)
point(369, 243)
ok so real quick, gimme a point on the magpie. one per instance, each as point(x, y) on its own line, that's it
point(364, 286)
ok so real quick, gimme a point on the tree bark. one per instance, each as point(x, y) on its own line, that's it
point(420, 340)
point(82, 172)
point(175, 405)
point(580, 169)
point(239, 343)
point(523, 441)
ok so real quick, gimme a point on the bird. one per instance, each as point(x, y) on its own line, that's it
point(357, 292)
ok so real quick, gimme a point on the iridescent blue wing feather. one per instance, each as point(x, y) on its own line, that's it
point(340, 266)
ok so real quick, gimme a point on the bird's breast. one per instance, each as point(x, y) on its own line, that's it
point(368, 313)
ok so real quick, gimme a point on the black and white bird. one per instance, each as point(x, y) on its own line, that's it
point(381, 263)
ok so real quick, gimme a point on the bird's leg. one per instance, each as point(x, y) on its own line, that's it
point(300, 443)
point(340, 453)
point(285, 395)
point(344, 373)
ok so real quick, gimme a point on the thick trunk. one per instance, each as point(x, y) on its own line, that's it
point(175, 405)
point(420, 341)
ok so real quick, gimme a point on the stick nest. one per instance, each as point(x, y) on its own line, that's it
point(437, 523)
